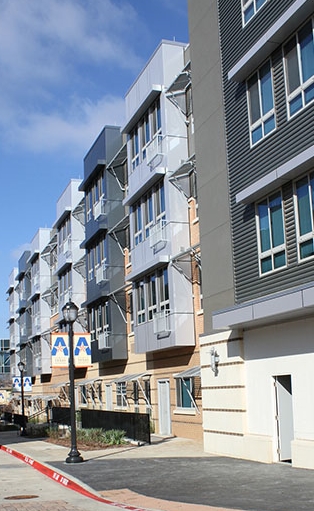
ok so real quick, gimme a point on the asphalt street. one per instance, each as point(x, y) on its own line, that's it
point(215, 481)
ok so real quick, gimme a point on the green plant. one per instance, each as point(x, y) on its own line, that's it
point(114, 437)
point(53, 433)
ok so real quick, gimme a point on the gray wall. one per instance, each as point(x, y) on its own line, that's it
point(211, 167)
point(247, 165)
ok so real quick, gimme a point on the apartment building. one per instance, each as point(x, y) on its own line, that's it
point(125, 248)
point(104, 243)
point(67, 269)
point(13, 301)
point(23, 288)
point(164, 269)
point(254, 89)
point(4, 359)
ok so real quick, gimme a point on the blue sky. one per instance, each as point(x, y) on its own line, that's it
point(65, 66)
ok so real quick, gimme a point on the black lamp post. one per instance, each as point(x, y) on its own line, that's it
point(70, 311)
point(21, 367)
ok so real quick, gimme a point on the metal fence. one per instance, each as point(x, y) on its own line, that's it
point(135, 425)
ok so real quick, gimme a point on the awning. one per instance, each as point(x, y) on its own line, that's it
point(88, 381)
point(131, 377)
point(62, 384)
point(189, 373)
point(136, 377)
point(90, 389)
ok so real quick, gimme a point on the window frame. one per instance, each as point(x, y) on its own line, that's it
point(264, 118)
point(272, 251)
point(245, 4)
point(309, 235)
point(182, 394)
point(152, 295)
point(300, 91)
point(121, 394)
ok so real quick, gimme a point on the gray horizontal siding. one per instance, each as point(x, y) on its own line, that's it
point(246, 164)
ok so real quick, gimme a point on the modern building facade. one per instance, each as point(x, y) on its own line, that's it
point(13, 301)
point(125, 248)
point(164, 269)
point(258, 324)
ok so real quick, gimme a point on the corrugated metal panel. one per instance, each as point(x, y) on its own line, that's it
point(246, 165)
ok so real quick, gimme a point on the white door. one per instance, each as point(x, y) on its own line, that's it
point(108, 397)
point(164, 409)
point(284, 416)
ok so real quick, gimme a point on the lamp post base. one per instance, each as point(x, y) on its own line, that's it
point(74, 457)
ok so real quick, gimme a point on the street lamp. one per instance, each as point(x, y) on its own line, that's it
point(21, 367)
point(70, 311)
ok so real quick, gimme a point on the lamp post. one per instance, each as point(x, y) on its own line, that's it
point(70, 311)
point(21, 367)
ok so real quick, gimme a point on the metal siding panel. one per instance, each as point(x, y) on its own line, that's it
point(246, 164)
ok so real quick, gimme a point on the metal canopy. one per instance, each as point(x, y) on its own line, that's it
point(189, 373)
point(135, 377)
point(79, 212)
point(46, 253)
point(181, 81)
point(130, 377)
point(91, 390)
point(62, 384)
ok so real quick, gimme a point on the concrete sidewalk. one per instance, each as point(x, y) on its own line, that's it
point(171, 474)
point(26, 489)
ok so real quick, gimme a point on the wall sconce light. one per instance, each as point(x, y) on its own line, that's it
point(214, 361)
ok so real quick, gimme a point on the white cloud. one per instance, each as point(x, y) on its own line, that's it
point(52, 53)
point(72, 130)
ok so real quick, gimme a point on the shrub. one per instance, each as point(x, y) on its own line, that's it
point(114, 437)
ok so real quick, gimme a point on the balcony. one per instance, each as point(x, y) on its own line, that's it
point(161, 322)
point(158, 235)
point(103, 340)
point(102, 274)
point(64, 255)
point(154, 151)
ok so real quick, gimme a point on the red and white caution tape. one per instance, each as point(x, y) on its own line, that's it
point(65, 481)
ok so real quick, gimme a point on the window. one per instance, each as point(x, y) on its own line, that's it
point(250, 7)
point(149, 211)
point(65, 286)
point(146, 130)
point(99, 320)
point(160, 204)
point(64, 236)
point(304, 196)
point(152, 295)
point(185, 390)
point(271, 237)
point(121, 394)
point(261, 103)
point(156, 118)
point(140, 291)
point(145, 134)
point(91, 263)
point(83, 390)
point(135, 149)
point(299, 69)
point(135, 393)
point(138, 234)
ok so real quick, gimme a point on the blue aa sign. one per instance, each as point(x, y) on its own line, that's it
point(60, 350)
point(82, 350)
point(27, 384)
